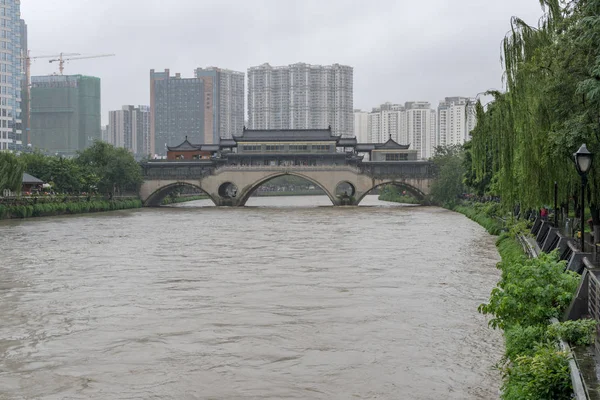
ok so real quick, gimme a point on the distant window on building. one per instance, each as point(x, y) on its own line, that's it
point(320, 147)
point(396, 157)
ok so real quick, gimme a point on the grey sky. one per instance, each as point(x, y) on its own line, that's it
point(401, 50)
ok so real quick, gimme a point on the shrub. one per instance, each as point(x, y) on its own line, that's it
point(531, 292)
point(577, 333)
point(523, 340)
point(542, 376)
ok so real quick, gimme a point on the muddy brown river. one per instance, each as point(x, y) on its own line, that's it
point(284, 299)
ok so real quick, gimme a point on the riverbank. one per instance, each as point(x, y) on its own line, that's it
point(531, 292)
point(36, 207)
point(483, 214)
point(183, 199)
point(393, 194)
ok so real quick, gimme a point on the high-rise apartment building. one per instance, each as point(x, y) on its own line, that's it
point(456, 120)
point(177, 109)
point(130, 128)
point(301, 96)
point(388, 121)
point(203, 108)
point(421, 128)
point(11, 75)
point(104, 134)
point(361, 126)
point(25, 102)
point(228, 95)
point(65, 112)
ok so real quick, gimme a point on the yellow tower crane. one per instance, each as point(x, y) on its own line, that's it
point(61, 60)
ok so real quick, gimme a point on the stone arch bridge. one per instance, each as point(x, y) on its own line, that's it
point(232, 186)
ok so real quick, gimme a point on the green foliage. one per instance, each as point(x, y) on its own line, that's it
point(183, 199)
point(115, 168)
point(59, 208)
point(525, 138)
point(65, 175)
point(510, 250)
point(577, 333)
point(100, 168)
point(523, 340)
point(395, 194)
point(11, 172)
point(448, 185)
point(531, 292)
point(541, 376)
point(491, 223)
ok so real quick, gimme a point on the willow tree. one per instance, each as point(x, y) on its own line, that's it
point(11, 173)
point(550, 106)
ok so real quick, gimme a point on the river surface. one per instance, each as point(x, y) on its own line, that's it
point(280, 300)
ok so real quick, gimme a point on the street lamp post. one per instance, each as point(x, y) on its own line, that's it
point(583, 162)
point(556, 204)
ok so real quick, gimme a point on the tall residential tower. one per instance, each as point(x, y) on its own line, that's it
point(301, 96)
point(203, 108)
point(456, 120)
point(130, 128)
point(12, 67)
point(228, 92)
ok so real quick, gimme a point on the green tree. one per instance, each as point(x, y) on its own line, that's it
point(65, 174)
point(113, 169)
point(448, 184)
point(11, 172)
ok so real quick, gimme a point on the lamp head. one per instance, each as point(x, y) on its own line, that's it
point(583, 160)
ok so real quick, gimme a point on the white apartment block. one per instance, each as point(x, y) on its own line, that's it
point(421, 124)
point(130, 128)
point(456, 120)
point(12, 74)
point(301, 96)
point(361, 126)
point(387, 121)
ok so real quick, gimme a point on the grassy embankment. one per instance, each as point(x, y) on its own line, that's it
point(393, 194)
point(529, 294)
point(29, 208)
point(183, 199)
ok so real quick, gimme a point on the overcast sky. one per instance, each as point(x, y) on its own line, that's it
point(401, 50)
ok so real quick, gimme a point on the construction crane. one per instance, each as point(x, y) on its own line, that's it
point(61, 60)
point(28, 60)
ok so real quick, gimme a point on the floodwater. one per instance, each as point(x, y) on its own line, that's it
point(280, 300)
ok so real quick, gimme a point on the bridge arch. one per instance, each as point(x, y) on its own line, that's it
point(249, 190)
point(402, 185)
point(155, 199)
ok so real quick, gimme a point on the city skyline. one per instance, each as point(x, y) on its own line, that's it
point(461, 54)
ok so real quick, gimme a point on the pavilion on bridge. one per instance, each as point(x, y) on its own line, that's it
point(293, 147)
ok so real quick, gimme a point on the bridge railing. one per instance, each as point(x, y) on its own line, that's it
point(291, 168)
point(379, 170)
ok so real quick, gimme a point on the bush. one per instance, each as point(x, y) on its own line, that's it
point(531, 292)
point(542, 376)
point(69, 207)
point(577, 333)
point(522, 341)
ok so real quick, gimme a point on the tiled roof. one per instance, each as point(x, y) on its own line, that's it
point(284, 135)
point(391, 145)
point(185, 146)
point(31, 180)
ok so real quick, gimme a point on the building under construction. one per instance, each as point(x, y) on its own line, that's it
point(65, 112)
